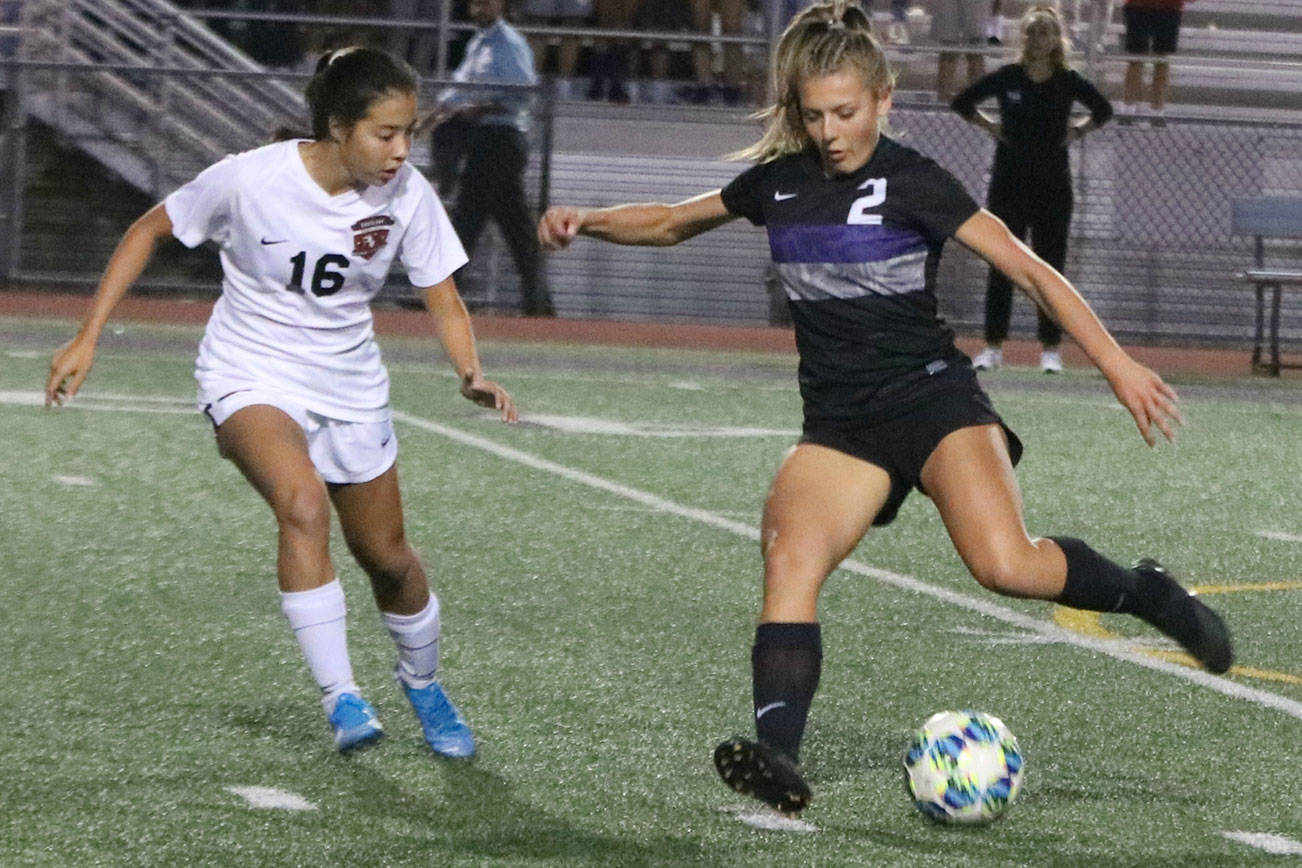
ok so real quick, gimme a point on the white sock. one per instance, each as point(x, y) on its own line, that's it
point(417, 638)
point(319, 618)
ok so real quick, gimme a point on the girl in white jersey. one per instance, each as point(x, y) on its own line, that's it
point(856, 222)
point(289, 372)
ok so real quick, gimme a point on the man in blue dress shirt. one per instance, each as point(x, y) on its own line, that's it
point(480, 140)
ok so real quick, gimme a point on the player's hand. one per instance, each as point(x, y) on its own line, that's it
point(559, 226)
point(68, 369)
point(1150, 400)
point(486, 393)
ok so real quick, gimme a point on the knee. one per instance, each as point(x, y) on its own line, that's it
point(303, 508)
point(792, 561)
point(387, 559)
point(1002, 572)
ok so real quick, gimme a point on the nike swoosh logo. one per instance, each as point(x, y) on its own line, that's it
point(767, 708)
point(281, 241)
point(782, 197)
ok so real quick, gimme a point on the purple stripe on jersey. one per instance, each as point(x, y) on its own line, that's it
point(841, 243)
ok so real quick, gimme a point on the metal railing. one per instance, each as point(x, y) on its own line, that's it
point(1150, 244)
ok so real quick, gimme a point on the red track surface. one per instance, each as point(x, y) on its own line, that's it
point(1167, 360)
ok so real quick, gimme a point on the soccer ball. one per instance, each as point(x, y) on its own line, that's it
point(963, 767)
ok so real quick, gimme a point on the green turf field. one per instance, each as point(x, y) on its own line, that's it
point(599, 580)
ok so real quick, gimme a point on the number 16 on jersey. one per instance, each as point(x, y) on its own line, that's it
point(324, 280)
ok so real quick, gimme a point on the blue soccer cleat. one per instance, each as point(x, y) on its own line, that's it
point(354, 723)
point(445, 729)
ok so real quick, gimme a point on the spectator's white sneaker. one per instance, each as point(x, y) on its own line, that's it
point(989, 359)
point(1051, 362)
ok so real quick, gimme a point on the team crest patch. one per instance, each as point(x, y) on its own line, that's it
point(370, 234)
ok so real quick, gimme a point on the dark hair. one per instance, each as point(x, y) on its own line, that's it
point(348, 80)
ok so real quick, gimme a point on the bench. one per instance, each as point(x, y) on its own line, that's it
point(1262, 218)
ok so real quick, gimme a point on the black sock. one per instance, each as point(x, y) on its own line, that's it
point(785, 664)
point(1097, 584)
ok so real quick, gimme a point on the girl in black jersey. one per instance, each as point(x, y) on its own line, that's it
point(856, 222)
point(1030, 187)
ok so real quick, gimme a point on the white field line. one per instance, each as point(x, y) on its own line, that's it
point(1271, 843)
point(106, 401)
point(589, 425)
point(270, 798)
point(768, 820)
point(1280, 535)
point(1113, 648)
point(982, 606)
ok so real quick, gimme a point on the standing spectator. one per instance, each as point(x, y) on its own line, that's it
point(610, 62)
point(995, 23)
point(957, 23)
point(898, 32)
point(1100, 20)
point(559, 13)
point(1152, 27)
point(1030, 186)
point(661, 15)
point(419, 46)
point(479, 139)
point(731, 14)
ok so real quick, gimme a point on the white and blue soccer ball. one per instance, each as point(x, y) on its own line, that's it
point(963, 767)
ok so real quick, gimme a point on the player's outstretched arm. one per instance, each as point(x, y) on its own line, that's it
point(453, 324)
point(649, 223)
point(72, 361)
point(1150, 400)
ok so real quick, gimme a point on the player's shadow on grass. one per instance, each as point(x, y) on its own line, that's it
point(477, 815)
point(458, 806)
point(282, 720)
point(833, 756)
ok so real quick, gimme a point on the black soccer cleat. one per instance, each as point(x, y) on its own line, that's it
point(754, 768)
point(1190, 622)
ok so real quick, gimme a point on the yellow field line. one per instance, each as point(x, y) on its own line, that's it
point(1256, 586)
point(1091, 625)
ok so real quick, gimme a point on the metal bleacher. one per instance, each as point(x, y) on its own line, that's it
point(1232, 53)
point(120, 118)
point(714, 277)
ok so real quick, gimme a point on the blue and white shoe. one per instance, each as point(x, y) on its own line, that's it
point(445, 729)
point(354, 723)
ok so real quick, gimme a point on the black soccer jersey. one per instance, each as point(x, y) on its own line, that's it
point(1034, 117)
point(857, 257)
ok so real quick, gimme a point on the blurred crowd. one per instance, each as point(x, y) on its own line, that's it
point(636, 68)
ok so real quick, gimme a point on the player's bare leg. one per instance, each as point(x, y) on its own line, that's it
point(370, 514)
point(820, 505)
point(970, 478)
point(271, 451)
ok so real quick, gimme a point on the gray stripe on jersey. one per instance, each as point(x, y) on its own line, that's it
point(819, 281)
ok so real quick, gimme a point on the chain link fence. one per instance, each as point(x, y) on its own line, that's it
point(86, 150)
point(1151, 245)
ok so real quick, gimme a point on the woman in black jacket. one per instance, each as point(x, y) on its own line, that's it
point(1030, 186)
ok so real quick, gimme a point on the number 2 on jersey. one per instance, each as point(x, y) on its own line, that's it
point(324, 281)
point(858, 215)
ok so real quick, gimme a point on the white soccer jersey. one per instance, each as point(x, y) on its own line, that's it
point(300, 269)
